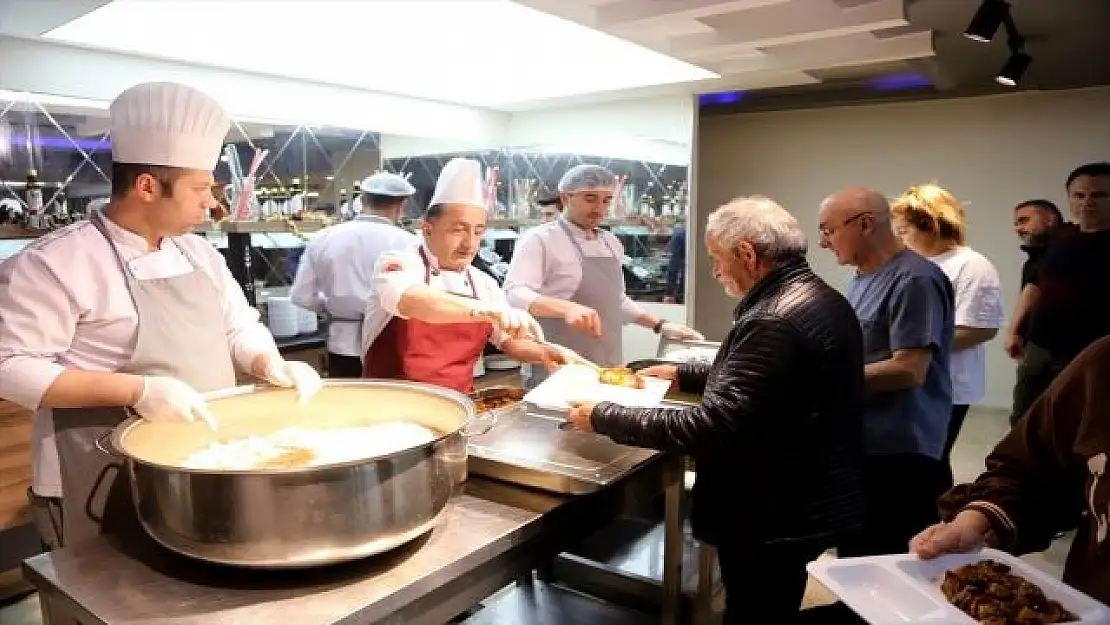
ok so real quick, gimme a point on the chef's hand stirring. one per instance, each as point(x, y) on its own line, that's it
point(292, 374)
point(168, 399)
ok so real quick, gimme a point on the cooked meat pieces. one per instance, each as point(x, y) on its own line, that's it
point(494, 398)
point(617, 376)
point(989, 593)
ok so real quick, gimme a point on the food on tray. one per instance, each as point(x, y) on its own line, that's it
point(620, 376)
point(494, 398)
point(988, 592)
point(292, 448)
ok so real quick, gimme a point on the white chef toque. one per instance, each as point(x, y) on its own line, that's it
point(388, 184)
point(167, 124)
point(460, 182)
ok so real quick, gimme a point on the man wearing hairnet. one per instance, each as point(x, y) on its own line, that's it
point(569, 274)
point(336, 273)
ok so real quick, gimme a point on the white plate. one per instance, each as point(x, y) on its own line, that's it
point(579, 383)
point(901, 589)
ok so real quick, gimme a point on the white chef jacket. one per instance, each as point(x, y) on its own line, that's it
point(64, 304)
point(336, 275)
point(978, 305)
point(397, 271)
point(545, 263)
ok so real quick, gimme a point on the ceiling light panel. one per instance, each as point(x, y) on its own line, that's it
point(488, 53)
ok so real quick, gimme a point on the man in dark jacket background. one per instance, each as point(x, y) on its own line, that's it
point(777, 437)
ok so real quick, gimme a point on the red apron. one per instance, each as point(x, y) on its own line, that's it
point(436, 353)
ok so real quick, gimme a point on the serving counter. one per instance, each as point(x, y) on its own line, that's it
point(494, 533)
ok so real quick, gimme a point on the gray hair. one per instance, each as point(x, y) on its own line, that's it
point(759, 220)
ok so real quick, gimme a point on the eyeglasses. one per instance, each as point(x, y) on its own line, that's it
point(826, 231)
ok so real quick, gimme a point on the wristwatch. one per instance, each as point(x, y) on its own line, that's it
point(658, 327)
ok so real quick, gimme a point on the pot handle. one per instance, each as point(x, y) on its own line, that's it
point(103, 443)
point(479, 425)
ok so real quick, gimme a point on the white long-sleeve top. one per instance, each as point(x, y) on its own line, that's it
point(397, 271)
point(545, 264)
point(64, 304)
point(336, 275)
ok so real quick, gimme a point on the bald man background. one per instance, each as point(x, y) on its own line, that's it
point(905, 305)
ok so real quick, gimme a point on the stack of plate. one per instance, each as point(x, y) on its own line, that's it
point(307, 322)
point(282, 317)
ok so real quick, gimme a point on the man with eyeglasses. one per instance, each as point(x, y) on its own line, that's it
point(905, 305)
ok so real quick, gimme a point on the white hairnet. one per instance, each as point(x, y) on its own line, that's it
point(388, 184)
point(587, 178)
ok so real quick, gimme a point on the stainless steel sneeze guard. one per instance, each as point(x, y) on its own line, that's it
point(537, 448)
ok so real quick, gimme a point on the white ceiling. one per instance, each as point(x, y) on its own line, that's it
point(757, 44)
point(751, 44)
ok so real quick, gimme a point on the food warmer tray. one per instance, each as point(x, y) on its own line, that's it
point(539, 449)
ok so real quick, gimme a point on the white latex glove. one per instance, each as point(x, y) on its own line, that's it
point(517, 323)
point(169, 399)
point(679, 332)
point(293, 374)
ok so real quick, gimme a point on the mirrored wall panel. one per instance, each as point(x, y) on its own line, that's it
point(287, 181)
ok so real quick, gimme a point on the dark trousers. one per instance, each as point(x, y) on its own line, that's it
point(764, 583)
point(340, 366)
point(1034, 375)
point(955, 424)
point(901, 492)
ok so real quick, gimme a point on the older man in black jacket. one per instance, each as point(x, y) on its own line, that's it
point(777, 437)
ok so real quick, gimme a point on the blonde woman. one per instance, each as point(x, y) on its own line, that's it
point(931, 222)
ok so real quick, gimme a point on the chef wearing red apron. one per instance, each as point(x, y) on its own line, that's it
point(128, 309)
point(432, 313)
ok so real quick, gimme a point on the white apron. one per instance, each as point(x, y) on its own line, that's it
point(180, 334)
point(601, 288)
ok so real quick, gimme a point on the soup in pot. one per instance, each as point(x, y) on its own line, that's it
point(269, 429)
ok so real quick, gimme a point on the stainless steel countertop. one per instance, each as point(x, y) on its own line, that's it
point(493, 532)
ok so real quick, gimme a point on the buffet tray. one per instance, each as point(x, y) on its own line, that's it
point(904, 590)
point(541, 450)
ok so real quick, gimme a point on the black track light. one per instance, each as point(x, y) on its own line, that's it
point(987, 20)
point(1015, 66)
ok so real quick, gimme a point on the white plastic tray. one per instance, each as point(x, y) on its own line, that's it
point(899, 589)
point(578, 383)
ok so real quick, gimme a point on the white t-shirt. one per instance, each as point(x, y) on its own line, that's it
point(978, 305)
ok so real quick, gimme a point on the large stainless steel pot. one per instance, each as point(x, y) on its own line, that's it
point(295, 518)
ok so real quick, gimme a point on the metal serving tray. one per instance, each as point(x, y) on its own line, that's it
point(541, 450)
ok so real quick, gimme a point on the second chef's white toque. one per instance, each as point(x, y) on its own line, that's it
point(460, 182)
point(167, 124)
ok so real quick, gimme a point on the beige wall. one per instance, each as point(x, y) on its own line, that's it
point(992, 152)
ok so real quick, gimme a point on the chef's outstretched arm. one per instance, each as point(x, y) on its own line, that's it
point(399, 289)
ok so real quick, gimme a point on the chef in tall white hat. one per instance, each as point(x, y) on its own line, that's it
point(336, 272)
point(569, 273)
point(432, 313)
point(129, 311)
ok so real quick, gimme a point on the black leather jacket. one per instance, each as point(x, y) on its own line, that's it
point(778, 437)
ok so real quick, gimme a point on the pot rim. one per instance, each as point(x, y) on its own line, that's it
point(115, 436)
